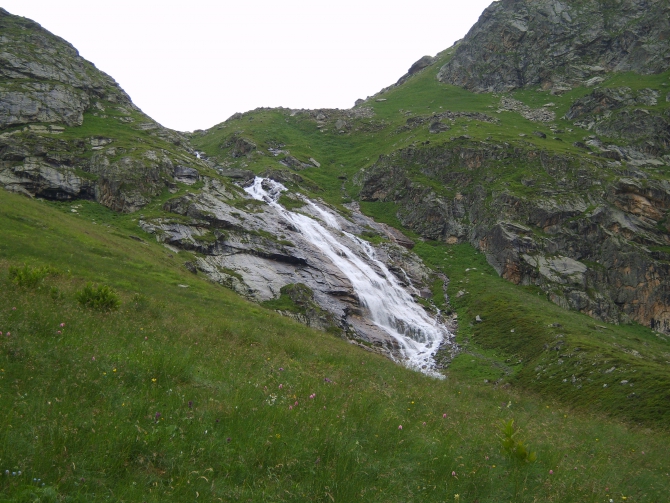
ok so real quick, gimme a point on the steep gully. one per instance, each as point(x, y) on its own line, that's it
point(385, 301)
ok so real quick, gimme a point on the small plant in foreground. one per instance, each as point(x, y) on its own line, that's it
point(29, 277)
point(99, 297)
point(513, 447)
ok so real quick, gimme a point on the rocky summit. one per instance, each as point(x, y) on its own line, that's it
point(559, 44)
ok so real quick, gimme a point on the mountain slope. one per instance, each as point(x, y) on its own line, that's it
point(67, 130)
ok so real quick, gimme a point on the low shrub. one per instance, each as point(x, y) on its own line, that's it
point(100, 297)
point(29, 277)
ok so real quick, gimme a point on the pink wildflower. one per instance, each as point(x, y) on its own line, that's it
point(62, 325)
point(424, 423)
point(453, 474)
point(290, 407)
point(93, 358)
point(281, 386)
point(551, 472)
point(8, 334)
point(296, 403)
point(444, 416)
point(13, 309)
point(400, 427)
point(59, 332)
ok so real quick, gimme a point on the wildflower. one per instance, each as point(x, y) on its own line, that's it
point(62, 325)
point(146, 338)
point(281, 386)
point(296, 403)
point(13, 309)
point(453, 474)
point(486, 457)
point(290, 407)
point(0, 333)
point(312, 396)
point(8, 334)
point(551, 472)
point(457, 497)
point(153, 379)
point(158, 415)
point(59, 332)
point(92, 358)
point(400, 427)
point(424, 423)
point(114, 370)
point(444, 416)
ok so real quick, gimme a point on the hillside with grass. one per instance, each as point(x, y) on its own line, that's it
point(165, 336)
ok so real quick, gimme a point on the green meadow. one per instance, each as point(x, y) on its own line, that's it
point(187, 392)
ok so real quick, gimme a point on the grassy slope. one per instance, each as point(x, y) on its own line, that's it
point(212, 364)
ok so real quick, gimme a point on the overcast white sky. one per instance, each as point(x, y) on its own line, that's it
point(191, 65)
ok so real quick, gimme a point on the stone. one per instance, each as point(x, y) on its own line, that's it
point(315, 162)
point(186, 175)
point(594, 81)
point(478, 319)
point(242, 147)
point(539, 134)
point(438, 127)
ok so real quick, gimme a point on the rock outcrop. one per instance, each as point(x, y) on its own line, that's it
point(591, 237)
point(250, 247)
point(67, 130)
point(559, 44)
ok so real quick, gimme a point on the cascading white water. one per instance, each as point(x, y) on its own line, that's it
point(390, 306)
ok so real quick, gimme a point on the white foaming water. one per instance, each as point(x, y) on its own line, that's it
point(390, 306)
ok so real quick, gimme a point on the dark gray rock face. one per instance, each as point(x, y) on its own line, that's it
point(615, 113)
point(558, 44)
point(586, 236)
point(46, 92)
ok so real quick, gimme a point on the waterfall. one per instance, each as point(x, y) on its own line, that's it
point(389, 304)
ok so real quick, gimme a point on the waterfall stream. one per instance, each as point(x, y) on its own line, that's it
point(389, 305)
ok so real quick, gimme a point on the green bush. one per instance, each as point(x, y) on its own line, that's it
point(29, 277)
point(99, 297)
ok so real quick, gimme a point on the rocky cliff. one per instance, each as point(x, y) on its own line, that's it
point(586, 239)
point(560, 44)
point(67, 130)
